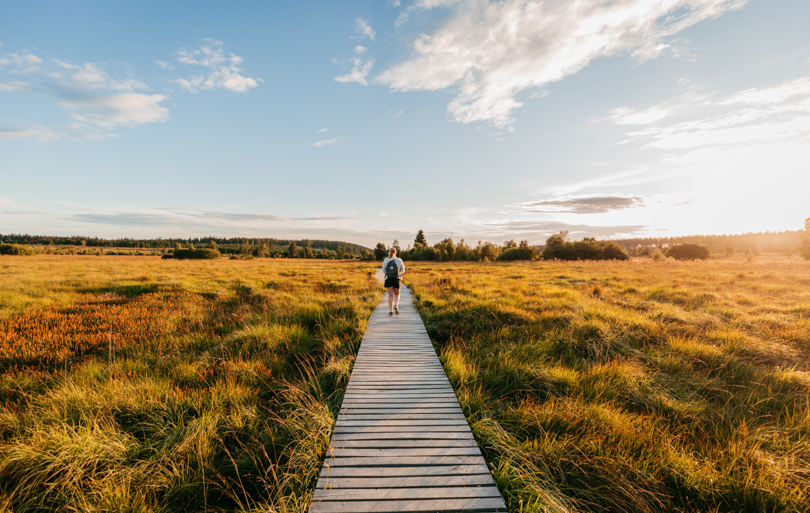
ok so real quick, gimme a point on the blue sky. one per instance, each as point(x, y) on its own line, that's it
point(366, 121)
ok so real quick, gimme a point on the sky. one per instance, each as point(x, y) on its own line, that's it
point(365, 121)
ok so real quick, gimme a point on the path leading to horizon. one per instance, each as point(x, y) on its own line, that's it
point(401, 442)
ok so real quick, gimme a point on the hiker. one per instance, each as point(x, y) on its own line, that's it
point(393, 269)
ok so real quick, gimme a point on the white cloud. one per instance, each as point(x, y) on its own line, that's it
point(164, 65)
point(224, 70)
point(328, 142)
point(93, 76)
point(774, 114)
point(127, 109)
point(491, 51)
point(364, 29)
point(39, 133)
point(359, 72)
point(14, 86)
point(322, 130)
point(360, 50)
point(627, 116)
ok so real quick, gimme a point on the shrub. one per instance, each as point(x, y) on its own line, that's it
point(689, 252)
point(559, 247)
point(15, 249)
point(804, 243)
point(194, 254)
point(521, 252)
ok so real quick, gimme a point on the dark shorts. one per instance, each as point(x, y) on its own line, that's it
point(392, 282)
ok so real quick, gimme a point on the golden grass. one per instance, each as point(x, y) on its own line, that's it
point(218, 392)
point(640, 386)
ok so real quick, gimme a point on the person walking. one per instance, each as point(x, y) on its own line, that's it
point(393, 269)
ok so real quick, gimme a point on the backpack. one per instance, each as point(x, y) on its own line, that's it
point(392, 269)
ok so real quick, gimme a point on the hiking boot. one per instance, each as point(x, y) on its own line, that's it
point(396, 309)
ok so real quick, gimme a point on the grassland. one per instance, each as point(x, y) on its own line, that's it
point(143, 385)
point(634, 387)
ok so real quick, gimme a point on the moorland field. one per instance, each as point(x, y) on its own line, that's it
point(139, 384)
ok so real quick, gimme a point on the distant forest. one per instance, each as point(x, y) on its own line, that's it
point(766, 242)
point(231, 245)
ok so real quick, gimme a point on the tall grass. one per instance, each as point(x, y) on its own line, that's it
point(641, 386)
point(218, 391)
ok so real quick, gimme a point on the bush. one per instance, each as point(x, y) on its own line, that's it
point(559, 247)
point(522, 252)
point(804, 244)
point(194, 254)
point(15, 249)
point(689, 252)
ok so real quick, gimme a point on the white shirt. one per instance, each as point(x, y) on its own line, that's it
point(400, 266)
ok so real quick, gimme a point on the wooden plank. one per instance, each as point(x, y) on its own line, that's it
point(453, 470)
point(417, 506)
point(405, 416)
point(369, 494)
point(360, 411)
point(404, 461)
point(383, 428)
point(403, 423)
point(398, 452)
point(345, 444)
point(437, 435)
point(405, 482)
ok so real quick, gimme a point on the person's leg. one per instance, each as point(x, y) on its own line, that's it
point(390, 299)
point(396, 297)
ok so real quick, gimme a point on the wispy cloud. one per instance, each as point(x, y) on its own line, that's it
point(775, 114)
point(224, 71)
point(37, 133)
point(360, 68)
point(88, 92)
point(322, 130)
point(587, 204)
point(328, 142)
point(111, 24)
point(364, 29)
point(491, 51)
point(128, 109)
point(184, 216)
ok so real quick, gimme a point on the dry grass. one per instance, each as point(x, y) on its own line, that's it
point(636, 386)
point(218, 392)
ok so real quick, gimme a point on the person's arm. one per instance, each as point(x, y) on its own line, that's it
point(401, 268)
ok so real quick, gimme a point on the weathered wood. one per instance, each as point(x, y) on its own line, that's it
point(410, 452)
point(401, 435)
point(409, 443)
point(409, 505)
point(454, 470)
point(401, 442)
point(405, 482)
point(455, 492)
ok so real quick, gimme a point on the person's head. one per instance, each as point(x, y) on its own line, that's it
point(392, 252)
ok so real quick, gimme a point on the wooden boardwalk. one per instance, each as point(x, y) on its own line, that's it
point(401, 442)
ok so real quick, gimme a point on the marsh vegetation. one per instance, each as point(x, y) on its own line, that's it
point(642, 386)
point(138, 384)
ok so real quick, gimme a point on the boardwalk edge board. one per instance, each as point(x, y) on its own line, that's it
point(401, 442)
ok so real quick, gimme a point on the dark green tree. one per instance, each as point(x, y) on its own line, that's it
point(420, 241)
point(292, 249)
point(689, 252)
point(308, 253)
point(380, 251)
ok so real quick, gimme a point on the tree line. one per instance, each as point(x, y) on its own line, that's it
point(226, 245)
